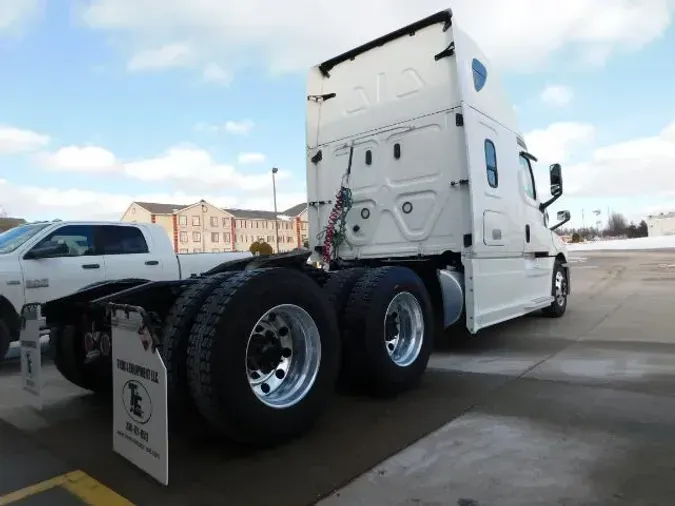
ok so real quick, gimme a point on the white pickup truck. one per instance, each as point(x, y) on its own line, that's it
point(43, 261)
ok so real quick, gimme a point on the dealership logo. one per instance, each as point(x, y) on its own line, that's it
point(137, 401)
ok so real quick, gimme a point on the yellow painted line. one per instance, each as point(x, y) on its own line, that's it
point(78, 483)
point(92, 492)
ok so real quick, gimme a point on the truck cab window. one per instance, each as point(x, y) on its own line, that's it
point(527, 178)
point(491, 163)
point(78, 238)
point(118, 240)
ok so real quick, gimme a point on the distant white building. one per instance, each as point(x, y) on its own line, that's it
point(661, 224)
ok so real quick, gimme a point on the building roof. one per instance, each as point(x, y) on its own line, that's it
point(662, 215)
point(246, 214)
point(295, 210)
point(250, 214)
point(156, 208)
point(7, 223)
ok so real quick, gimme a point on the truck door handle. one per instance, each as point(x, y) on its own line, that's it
point(152, 262)
point(527, 233)
point(91, 266)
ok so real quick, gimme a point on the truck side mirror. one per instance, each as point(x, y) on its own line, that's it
point(47, 250)
point(556, 179)
point(563, 217)
point(555, 172)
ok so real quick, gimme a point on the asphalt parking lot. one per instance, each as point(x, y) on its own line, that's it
point(574, 411)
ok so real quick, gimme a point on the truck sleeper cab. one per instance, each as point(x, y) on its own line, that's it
point(424, 214)
point(417, 125)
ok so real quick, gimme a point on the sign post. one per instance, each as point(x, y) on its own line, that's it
point(31, 354)
point(140, 418)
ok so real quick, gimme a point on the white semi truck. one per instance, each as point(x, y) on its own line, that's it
point(423, 213)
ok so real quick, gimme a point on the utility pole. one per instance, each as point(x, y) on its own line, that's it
point(274, 195)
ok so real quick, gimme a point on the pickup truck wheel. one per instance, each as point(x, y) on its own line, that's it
point(66, 346)
point(388, 331)
point(559, 292)
point(176, 338)
point(264, 356)
point(5, 340)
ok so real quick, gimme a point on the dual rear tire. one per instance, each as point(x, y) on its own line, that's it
point(266, 347)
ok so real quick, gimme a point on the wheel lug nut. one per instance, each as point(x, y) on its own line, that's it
point(286, 352)
point(280, 374)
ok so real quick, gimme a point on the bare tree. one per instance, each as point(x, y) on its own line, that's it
point(616, 225)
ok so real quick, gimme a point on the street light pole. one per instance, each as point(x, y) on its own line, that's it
point(274, 193)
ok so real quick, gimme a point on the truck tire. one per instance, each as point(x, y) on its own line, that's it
point(384, 354)
point(176, 338)
point(338, 289)
point(66, 347)
point(559, 292)
point(263, 357)
point(5, 340)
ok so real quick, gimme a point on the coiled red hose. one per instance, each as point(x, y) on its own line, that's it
point(333, 218)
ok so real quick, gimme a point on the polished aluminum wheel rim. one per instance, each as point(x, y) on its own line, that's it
point(283, 355)
point(560, 289)
point(403, 329)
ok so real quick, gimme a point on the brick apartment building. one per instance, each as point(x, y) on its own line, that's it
point(203, 227)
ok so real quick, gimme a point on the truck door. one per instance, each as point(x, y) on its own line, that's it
point(127, 253)
point(538, 262)
point(50, 278)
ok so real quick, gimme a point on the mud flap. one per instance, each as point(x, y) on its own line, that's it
point(31, 354)
point(140, 417)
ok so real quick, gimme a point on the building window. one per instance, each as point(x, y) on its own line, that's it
point(215, 250)
point(183, 250)
point(214, 221)
point(226, 222)
point(226, 236)
point(197, 250)
point(491, 163)
point(215, 237)
point(196, 220)
point(196, 236)
point(270, 239)
point(182, 220)
point(183, 237)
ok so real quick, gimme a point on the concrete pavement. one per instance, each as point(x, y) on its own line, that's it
point(533, 412)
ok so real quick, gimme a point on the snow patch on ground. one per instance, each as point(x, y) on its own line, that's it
point(663, 242)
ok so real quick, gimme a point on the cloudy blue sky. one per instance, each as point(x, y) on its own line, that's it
point(106, 101)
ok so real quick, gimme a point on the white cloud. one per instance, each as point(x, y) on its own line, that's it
point(556, 95)
point(641, 167)
point(34, 202)
point(249, 158)
point(81, 159)
point(230, 127)
point(187, 167)
point(519, 34)
point(15, 14)
point(557, 142)
point(16, 140)
point(239, 127)
point(214, 73)
point(167, 56)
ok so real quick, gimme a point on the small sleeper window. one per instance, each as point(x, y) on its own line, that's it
point(479, 74)
point(491, 163)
